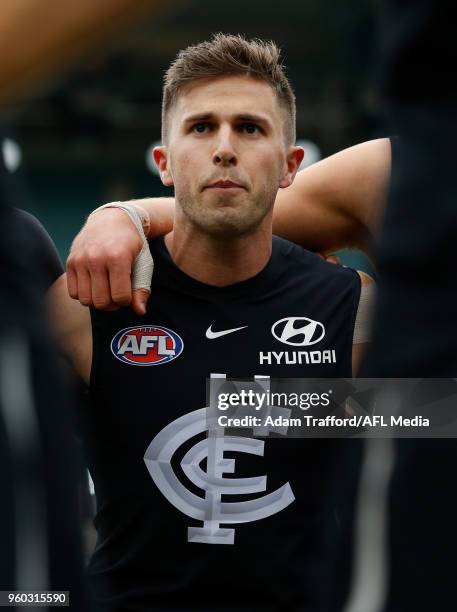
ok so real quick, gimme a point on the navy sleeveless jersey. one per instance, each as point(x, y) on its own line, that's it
point(148, 374)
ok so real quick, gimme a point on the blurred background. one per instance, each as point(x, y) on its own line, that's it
point(85, 139)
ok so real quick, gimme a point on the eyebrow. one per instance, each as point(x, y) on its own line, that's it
point(199, 117)
point(240, 117)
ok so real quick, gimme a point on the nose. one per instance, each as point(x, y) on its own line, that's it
point(224, 154)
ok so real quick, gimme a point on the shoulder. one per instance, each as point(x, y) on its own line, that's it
point(40, 245)
point(34, 228)
point(28, 219)
point(307, 264)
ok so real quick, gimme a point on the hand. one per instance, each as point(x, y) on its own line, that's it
point(100, 263)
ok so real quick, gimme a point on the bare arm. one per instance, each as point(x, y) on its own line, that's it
point(70, 322)
point(338, 202)
point(335, 203)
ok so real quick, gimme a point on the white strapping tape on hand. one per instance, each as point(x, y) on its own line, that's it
point(143, 266)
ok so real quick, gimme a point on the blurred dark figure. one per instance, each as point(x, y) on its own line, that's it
point(415, 328)
point(39, 520)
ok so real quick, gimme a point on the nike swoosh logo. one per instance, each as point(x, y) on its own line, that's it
point(212, 335)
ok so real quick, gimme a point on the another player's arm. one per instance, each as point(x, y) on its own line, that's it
point(70, 322)
point(335, 203)
point(339, 201)
point(102, 255)
point(359, 347)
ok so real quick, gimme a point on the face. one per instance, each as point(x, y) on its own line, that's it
point(226, 155)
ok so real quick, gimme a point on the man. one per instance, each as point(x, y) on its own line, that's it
point(414, 240)
point(223, 294)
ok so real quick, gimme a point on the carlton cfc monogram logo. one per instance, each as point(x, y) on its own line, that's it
point(211, 509)
point(147, 345)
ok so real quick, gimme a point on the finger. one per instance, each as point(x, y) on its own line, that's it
point(72, 282)
point(119, 271)
point(139, 301)
point(101, 290)
point(84, 287)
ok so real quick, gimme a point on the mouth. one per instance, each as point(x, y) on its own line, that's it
point(225, 184)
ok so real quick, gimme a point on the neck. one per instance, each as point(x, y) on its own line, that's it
point(218, 260)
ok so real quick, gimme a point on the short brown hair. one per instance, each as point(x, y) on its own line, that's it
point(227, 54)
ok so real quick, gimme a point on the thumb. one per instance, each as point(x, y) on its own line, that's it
point(140, 299)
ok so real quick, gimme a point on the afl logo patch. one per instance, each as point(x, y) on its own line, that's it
point(147, 345)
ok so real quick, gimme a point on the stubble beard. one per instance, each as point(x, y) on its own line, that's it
point(225, 219)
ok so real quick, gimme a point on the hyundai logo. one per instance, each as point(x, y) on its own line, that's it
point(298, 331)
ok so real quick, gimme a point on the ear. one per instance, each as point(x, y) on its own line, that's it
point(161, 160)
point(294, 158)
